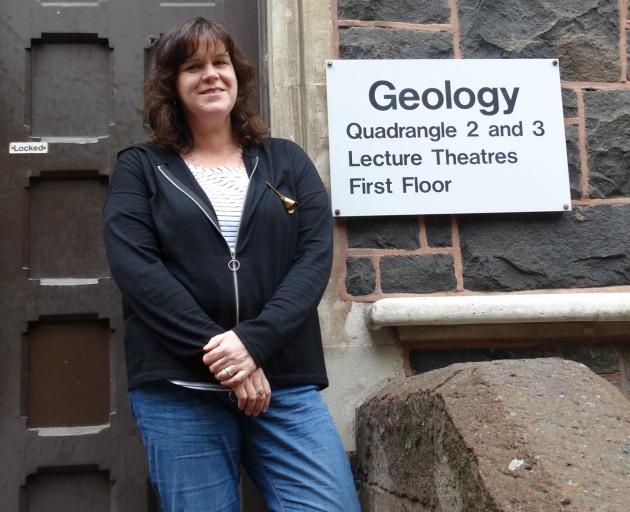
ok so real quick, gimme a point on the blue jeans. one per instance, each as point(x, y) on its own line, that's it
point(197, 440)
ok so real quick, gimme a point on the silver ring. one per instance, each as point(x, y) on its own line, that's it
point(260, 392)
point(228, 371)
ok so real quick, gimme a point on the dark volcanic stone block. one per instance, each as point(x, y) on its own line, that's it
point(389, 43)
point(422, 361)
point(408, 11)
point(438, 230)
point(587, 247)
point(573, 159)
point(383, 232)
point(608, 142)
point(417, 274)
point(583, 34)
point(360, 276)
point(600, 359)
point(569, 103)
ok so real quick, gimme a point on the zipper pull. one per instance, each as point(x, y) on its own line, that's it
point(234, 264)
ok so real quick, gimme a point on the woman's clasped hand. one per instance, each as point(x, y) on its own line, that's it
point(230, 363)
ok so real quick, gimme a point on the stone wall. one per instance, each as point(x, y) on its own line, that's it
point(542, 434)
point(587, 248)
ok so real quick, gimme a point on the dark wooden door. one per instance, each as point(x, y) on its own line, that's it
point(71, 75)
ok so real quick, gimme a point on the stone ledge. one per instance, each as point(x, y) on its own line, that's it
point(500, 309)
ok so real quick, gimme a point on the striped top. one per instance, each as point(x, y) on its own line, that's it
point(226, 187)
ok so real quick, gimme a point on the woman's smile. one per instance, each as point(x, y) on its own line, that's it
point(212, 90)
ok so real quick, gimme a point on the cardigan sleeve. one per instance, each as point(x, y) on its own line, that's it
point(296, 299)
point(149, 290)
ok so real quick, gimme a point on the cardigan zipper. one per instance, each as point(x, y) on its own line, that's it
point(233, 264)
point(238, 232)
point(196, 203)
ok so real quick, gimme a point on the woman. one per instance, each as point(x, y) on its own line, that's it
point(219, 239)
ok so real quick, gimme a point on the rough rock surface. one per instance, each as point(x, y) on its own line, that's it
point(408, 11)
point(389, 43)
point(608, 141)
point(438, 230)
point(569, 103)
point(535, 435)
point(383, 232)
point(360, 276)
point(587, 247)
point(583, 34)
point(417, 274)
point(573, 160)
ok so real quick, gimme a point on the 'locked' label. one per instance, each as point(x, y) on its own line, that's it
point(28, 147)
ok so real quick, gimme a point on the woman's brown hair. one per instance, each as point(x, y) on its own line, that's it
point(164, 113)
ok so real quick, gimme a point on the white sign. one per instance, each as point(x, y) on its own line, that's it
point(412, 137)
point(28, 147)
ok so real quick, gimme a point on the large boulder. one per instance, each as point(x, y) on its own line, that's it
point(514, 435)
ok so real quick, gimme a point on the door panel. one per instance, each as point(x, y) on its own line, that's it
point(64, 233)
point(85, 65)
point(68, 374)
point(71, 74)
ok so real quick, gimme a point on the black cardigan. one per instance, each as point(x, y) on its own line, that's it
point(170, 262)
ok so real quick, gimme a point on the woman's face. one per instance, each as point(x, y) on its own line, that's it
point(206, 83)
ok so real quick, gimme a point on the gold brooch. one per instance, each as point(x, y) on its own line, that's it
point(289, 204)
